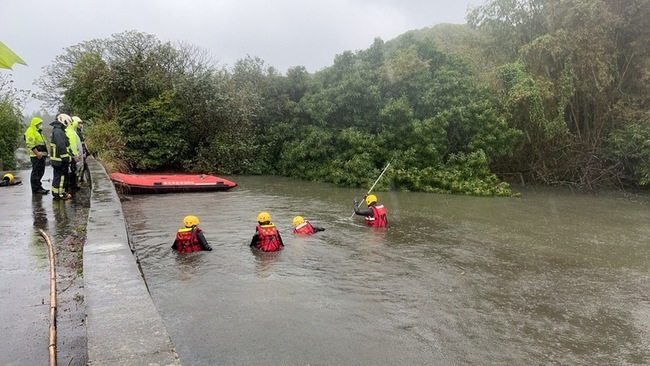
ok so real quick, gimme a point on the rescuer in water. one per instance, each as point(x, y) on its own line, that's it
point(303, 227)
point(190, 238)
point(375, 215)
point(267, 237)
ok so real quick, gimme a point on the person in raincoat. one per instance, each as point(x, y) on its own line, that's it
point(75, 156)
point(60, 158)
point(82, 166)
point(37, 147)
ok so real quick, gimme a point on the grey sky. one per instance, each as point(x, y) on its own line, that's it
point(283, 33)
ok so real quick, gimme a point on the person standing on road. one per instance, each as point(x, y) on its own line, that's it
point(78, 123)
point(75, 156)
point(37, 147)
point(60, 159)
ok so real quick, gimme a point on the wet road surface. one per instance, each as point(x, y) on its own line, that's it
point(24, 266)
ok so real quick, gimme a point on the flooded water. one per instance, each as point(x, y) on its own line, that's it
point(552, 277)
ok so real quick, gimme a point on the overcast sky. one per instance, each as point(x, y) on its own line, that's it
point(283, 33)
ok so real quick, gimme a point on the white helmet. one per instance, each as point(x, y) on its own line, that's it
point(76, 121)
point(64, 118)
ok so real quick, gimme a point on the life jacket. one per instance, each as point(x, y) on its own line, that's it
point(378, 218)
point(305, 228)
point(187, 241)
point(268, 240)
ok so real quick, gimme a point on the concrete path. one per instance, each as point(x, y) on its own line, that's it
point(24, 273)
point(124, 327)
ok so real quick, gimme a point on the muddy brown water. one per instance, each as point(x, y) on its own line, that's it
point(553, 277)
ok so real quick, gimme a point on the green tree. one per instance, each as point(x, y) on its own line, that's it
point(11, 102)
point(171, 105)
point(403, 101)
point(573, 71)
point(153, 139)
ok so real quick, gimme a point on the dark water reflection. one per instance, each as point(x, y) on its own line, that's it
point(550, 278)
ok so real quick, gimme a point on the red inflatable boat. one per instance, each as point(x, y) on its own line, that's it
point(166, 183)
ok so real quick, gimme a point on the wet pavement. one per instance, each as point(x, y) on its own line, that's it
point(25, 295)
point(123, 324)
point(106, 316)
point(24, 267)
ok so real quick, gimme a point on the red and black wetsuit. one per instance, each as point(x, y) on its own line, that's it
point(306, 228)
point(190, 239)
point(375, 215)
point(267, 238)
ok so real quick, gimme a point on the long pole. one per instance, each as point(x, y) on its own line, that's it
point(53, 304)
point(373, 186)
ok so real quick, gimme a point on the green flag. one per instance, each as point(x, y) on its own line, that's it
point(8, 57)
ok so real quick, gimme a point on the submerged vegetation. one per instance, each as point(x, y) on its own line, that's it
point(554, 92)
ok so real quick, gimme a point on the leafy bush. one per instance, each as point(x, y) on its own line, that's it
point(11, 129)
point(105, 139)
point(629, 149)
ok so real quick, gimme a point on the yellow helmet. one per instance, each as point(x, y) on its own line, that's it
point(371, 198)
point(190, 221)
point(263, 217)
point(8, 177)
point(298, 220)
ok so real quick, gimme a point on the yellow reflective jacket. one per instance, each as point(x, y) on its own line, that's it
point(34, 138)
point(75, 141)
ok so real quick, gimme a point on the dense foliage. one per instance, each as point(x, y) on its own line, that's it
point(573, 75)
point(154, 106)
point(404, 102)
point(11, 102)
point(546, 90)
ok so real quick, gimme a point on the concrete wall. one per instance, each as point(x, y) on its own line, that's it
point(123, 325)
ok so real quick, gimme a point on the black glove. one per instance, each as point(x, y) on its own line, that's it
point(356, 202)
point(208, 248)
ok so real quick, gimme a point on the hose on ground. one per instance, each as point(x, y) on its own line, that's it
point(52, 342)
